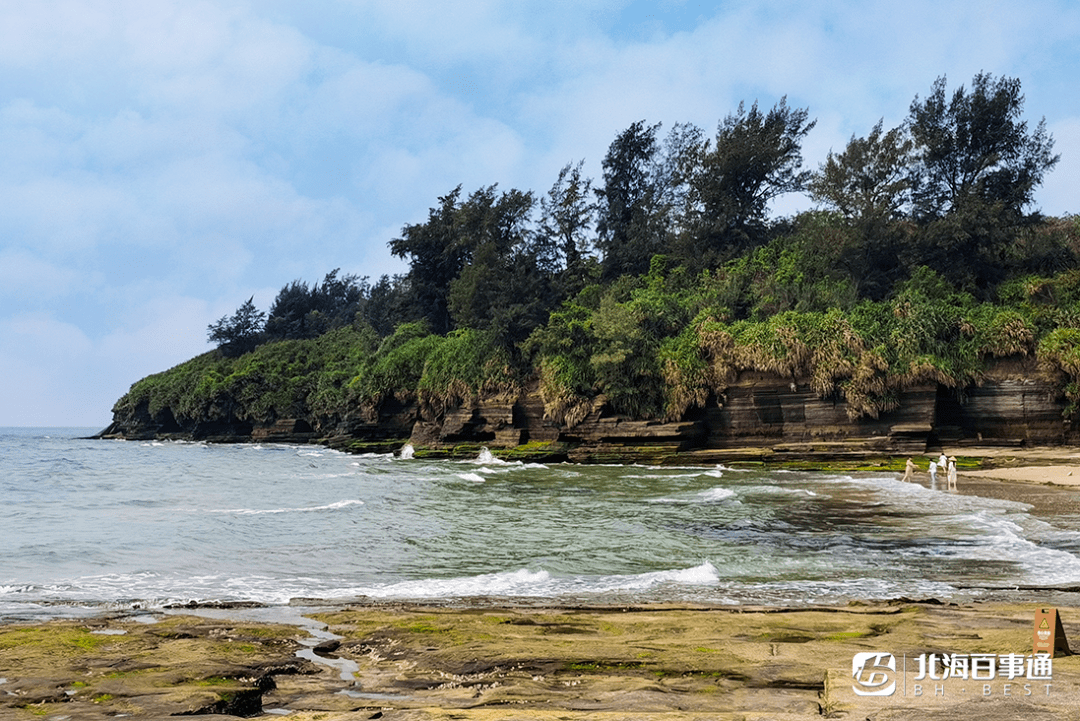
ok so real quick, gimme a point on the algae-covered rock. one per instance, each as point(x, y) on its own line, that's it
point(406, 663)
point(180, 665)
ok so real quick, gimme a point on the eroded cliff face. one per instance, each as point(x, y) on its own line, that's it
point(760, 416)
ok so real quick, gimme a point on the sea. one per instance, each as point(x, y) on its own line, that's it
point(105, 526)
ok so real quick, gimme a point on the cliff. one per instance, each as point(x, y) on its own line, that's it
point(759, 417)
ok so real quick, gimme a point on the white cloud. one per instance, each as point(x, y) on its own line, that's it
point(453, 30)
point(25, 275)
point(163, 161)
point(41, 358)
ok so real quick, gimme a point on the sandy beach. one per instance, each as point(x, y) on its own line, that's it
point(1059, 466)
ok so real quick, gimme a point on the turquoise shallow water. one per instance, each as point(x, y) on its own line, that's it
point(89, 525)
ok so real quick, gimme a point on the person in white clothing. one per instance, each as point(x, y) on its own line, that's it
point(933, 475)
point(952, 473)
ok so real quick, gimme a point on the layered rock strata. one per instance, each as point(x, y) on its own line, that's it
point(759, 417)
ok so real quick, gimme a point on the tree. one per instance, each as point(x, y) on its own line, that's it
point(239, 334)
point(977, 167)
point(629, 230)
point(645, 185)
point(302, 312)
point(870, 180)
point(755, 158)
point(383, 310)
point(566, 217)
point(435, 258)
point(505, 286)
point(974, 146)
point(869, 184)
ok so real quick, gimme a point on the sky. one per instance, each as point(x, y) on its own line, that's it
point(161, 162)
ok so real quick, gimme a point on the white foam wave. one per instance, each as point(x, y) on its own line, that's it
point(712, 495)
point(702, 575)
point(511, 583)
point(1004, 539)
point(303, 509)
point(780, 490)
point(151, 591)
point(487, 458)
point(669, 474)
point(15, 589)
point(475, 478)
point(524, 582)
point(716, 494)
point(828, 592)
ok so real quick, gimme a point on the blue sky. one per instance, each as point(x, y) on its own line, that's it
point(160, 162)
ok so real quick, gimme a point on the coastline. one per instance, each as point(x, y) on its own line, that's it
point(400, 661)
point(474, 658)
point(1048, 465)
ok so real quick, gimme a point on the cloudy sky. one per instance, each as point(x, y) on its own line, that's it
point(161, 161)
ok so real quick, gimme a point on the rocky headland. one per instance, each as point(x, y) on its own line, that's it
point(761, 417)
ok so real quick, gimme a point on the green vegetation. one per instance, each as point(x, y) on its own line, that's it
point(650, 293)
point(63, 641)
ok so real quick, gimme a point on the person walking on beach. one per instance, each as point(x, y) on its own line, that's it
point(909, 471)
point(933, 475)
point(952, 473)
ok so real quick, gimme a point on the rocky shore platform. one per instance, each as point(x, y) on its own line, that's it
point(480, 661)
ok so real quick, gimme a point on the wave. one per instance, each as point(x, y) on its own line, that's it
point(475, 478)
point(6, 589)
point(487, 457)
point(1001, 538)
point(304, 509)
point(780, 490)
point(831, 592)
point(712, 495)
point(525, 582)
point(716, 494)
